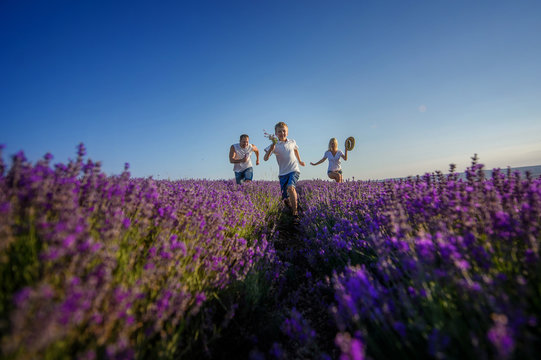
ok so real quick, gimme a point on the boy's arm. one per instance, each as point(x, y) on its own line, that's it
point(345, 157)
point(319, 162)
point(299, 157)
point(233, 155)
point(268, 152)
point(256, 151)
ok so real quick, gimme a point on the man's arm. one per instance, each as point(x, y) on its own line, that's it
point(233, 156)
point(299, 157)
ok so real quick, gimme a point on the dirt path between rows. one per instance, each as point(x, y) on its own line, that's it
point(263, 306)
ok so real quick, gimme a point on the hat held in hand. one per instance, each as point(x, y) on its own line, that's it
point(350, 143)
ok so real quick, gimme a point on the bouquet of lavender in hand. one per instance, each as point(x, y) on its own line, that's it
point(271, 137)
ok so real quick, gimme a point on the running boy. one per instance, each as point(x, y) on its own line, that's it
point(288, 158)
point(239, 155)
point(334, 171)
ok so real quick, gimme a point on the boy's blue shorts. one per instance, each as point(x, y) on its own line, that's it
point(244, 175)
point(288, 180)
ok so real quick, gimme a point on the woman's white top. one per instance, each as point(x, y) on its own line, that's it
point(285, 156)
point(334, 160)
point(241, 152)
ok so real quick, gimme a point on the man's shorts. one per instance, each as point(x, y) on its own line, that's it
point(244, 175)
point(288, 180)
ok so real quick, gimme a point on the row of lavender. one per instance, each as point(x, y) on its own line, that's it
point(428, 267)
point(115, 267)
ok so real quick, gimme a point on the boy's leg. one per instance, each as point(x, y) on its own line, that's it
point(292, 192)
point(283, 189)
point(287, 203)
point(292, 198)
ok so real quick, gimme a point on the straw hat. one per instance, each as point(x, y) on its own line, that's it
point(350, 143)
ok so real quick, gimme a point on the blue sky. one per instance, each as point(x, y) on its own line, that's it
point(168, 86)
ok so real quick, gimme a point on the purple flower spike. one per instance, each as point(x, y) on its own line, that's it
point(81, 151)
point(351, 348)
point(501, 337)
point(69, 240)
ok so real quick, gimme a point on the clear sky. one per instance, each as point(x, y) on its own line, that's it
point(168, 86)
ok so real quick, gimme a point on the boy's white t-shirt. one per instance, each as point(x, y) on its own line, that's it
point(241, 152)
point(334, 161)
point(285, 156)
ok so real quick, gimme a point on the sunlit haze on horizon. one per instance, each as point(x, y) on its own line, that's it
point(168, 86)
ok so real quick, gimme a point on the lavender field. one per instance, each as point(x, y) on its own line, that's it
point(115, 267)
